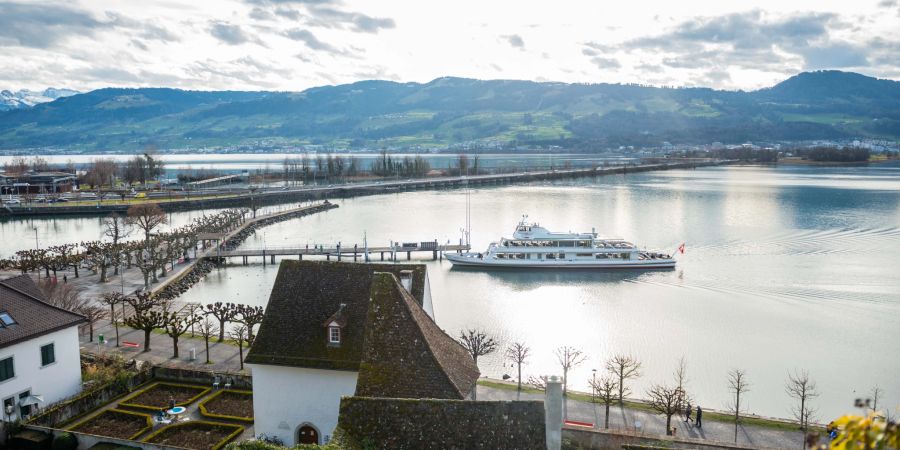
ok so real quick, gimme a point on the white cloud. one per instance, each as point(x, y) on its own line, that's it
point(296, 44)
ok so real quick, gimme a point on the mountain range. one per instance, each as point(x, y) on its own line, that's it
point(458, 111)
point(27, 98)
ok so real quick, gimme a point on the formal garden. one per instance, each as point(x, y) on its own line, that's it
point(189, 416)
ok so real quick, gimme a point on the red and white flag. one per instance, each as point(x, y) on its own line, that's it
point(681, 248)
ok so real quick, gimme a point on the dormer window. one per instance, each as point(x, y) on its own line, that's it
point(333, 327)
point(334, 335)
point(6, 320)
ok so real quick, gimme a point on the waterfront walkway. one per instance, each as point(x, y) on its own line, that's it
point(631, 419)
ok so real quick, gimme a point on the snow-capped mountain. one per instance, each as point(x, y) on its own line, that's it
point(26, 98)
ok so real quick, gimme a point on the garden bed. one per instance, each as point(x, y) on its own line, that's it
point(196, 435)
point(115, 423)
point(229, 404)
point(158, 395)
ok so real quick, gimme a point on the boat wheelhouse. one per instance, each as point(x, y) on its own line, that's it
point(534, 246)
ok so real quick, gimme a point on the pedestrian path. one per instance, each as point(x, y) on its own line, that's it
point(223, 356)
point(624, 418)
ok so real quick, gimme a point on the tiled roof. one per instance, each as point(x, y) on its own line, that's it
point(305, 295)
point(23, 301)
point(406, 354)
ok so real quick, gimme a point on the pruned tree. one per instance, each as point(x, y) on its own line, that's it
point(93, 314)
point(147, 217)
point(112, 299)
point(224, 313)
point(477, 343)
point(605, 387)
point(624, 367)
point(539, 383)
point(518, 353)
point(146, 317)
point(802, 389)
point(208, 329)
point(737, 385)
point(569, 358)
point(239, 334)
point(250, 316)
point(175, 326)
point(664, 400)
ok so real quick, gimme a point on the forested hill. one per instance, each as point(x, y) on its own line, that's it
point(447, 111)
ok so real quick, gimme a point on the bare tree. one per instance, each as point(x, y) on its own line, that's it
point(146, 217)
point(112, 299)
point(737, 385)
point(208, 329)
point(800, 387)
point(224, 313)
point(876, 392)
point(93, 314)
point(569, 357)
point(681, 379)
point(145, 317)
point(175, 326)
point(664, 400)
point(116, 228)
point(518, 353)
point(63, 296)
point(539, 383)
point(477, 343)
point(239, 334)
point(624, 367)
point(606, 388)
point(250, 316)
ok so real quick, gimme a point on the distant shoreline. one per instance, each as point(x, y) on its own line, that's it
point(805, 162)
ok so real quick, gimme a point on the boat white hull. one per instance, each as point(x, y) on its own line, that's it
point(472, 260)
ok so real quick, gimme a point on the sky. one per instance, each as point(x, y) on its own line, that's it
point(292, 45)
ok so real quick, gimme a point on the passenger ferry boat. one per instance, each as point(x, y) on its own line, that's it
point(535, 246)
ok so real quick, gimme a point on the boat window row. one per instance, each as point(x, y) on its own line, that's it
point(585, 243)
point(562, 255)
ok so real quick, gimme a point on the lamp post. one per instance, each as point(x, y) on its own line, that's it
point(593, 385)
point(36, 248)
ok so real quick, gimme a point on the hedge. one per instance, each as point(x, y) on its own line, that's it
point(206, 413)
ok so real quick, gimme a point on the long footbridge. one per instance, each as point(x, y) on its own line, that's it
point(356, 252)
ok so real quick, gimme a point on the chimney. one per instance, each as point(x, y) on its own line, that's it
point(406, 279)
point(553, 408)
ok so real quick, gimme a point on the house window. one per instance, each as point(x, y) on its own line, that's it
point(334, 335)
point(48, 354)
point(24, 410)
point(6, 369)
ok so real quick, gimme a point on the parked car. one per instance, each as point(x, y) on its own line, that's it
point(140, 195)
point(13, 201)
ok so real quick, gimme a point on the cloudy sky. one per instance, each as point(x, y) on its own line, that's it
point(297, 44)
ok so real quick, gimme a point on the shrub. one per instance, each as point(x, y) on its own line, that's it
point(65, 441)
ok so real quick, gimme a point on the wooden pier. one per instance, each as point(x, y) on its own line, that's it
point(355, 252)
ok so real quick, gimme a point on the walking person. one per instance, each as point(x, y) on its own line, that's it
point(699, 417)
point(687, 414)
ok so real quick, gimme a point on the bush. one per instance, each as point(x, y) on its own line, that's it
point(65, 441)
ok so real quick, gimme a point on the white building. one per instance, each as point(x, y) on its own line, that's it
point(39, 354)
point(328, 325)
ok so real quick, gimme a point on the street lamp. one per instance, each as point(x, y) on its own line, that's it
point(593, 385)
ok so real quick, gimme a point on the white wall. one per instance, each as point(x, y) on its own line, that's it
point(55, 381)
point(284, 398)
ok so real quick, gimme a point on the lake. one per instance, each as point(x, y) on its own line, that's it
point(786, 268)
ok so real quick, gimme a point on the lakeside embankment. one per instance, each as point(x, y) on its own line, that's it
point(346, 191)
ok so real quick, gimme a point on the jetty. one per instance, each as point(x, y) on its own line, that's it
point(340, 252)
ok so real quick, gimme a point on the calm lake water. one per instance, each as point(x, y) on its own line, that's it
point(786, 268)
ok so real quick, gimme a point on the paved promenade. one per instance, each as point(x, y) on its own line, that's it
point(655, 424)
point(223, 356)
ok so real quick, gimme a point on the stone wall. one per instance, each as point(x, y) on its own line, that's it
point(201, 377)
point(367, 422)
point(576, 438)
point(86, 441)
